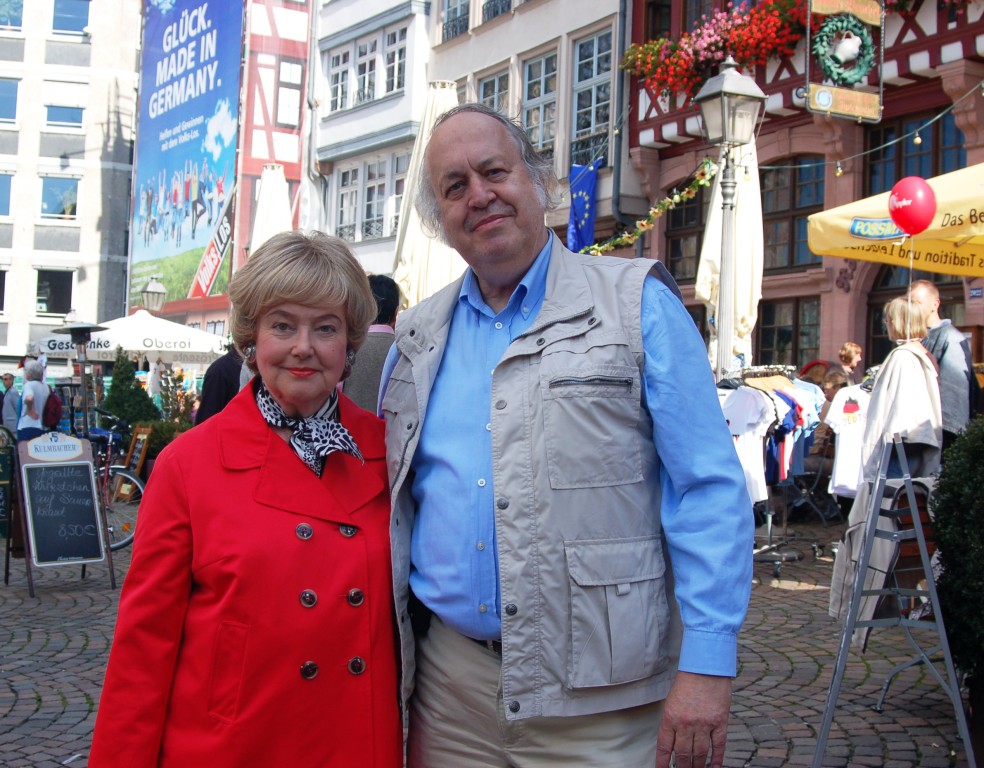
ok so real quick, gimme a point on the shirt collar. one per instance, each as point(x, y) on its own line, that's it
point(526, 295)
point(381, 328)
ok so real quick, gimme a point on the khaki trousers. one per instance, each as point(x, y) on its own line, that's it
point(457, 718)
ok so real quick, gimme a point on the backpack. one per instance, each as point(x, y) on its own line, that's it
point(51, 416)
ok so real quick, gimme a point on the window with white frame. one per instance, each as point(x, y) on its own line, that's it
point(63, 117)
point(71, 17)
point(365, 67)
point(5, 178)
point(215, 326)
point(54, 291)
point(338, 74)
point(348, 204)
point(396, 59)
point(375, 200)
point(11, 15)
point(592, 97)
point(455, 18)
point(369, 197)
point(59, 197)
point(401, 163)
point(540, 100)
point(289, 93)
point(493, 91)
point(8, 99)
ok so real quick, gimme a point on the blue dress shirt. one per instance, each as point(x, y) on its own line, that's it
point(454, 563)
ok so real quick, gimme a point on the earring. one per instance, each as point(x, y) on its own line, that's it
point(350, 358)
point(249, 352)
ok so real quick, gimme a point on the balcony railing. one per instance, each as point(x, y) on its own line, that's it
point(588, 148)
point(372, 228)
point(346, 232)
point(364, 96)
point(456, 26)
point(494, 8)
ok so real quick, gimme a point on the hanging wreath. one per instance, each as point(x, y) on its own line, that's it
point(844, 48)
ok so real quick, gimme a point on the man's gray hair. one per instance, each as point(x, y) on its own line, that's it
point(33, 370)
point(539, 168)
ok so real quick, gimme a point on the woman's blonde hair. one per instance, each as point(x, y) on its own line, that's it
point(313, 270)
point(904, 320)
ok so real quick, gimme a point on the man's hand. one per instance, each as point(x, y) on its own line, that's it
point(695, 721)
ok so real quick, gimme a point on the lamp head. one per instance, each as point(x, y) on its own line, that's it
point(729, 106)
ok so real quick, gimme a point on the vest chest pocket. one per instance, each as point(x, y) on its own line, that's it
point(619, 611)
point(591, 425)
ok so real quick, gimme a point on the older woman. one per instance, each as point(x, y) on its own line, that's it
point(256, 624)
point(905, 400)
point(33, 398)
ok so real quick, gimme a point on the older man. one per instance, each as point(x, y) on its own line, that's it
point(10, 410)
point(959, 391)
point(555, 444)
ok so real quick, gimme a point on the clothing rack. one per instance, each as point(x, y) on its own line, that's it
point(949, 681)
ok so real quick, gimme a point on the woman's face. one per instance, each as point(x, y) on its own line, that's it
point(300, 353)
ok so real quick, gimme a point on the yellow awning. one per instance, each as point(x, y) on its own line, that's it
point(952, 244)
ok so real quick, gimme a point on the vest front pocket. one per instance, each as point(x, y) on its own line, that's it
point(591, 425)
point(619, 611)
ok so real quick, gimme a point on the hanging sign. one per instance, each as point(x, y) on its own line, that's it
point(845, 54)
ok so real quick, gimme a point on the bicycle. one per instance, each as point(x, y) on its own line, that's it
point(119, 490)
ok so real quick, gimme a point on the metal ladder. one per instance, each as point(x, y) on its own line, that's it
point(949, 682)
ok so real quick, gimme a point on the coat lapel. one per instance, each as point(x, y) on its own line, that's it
point(283, 481)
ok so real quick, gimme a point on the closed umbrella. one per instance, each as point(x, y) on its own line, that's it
point(271, 213)
point(424, 265)
point(952, 244)
point(749, 254)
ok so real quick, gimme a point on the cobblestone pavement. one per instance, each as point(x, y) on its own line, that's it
point(53, 650)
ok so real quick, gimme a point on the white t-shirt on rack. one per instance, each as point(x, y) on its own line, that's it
point(847, 416)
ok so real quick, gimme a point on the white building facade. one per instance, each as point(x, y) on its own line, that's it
point(67, 103)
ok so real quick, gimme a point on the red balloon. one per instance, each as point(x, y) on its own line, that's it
point(912, 204)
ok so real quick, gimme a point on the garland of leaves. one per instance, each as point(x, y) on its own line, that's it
point(702, 178)
point(832, 30)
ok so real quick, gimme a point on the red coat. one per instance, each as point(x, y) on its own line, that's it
point(256, 620)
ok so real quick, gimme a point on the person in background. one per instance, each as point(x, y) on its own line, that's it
point(33, 398)
point(850, 359)
point(959, 391)
point(11, 404)
point(363, 385)
point(220, 384)
point(256, 622)
point(556, 448)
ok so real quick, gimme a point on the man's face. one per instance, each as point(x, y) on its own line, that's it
point(8, 381)
point(488, 203)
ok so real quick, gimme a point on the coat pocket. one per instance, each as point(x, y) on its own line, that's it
point(619, 611)
point(228, 659)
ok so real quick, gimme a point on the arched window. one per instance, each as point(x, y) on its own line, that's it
point(894, 281)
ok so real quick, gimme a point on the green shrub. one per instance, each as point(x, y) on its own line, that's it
point(126, 398)
point(958, 508)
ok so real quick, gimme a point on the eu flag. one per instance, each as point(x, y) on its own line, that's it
point(580, 227)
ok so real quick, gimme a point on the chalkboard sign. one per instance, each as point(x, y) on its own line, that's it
point(138, 449)
point(62, 513)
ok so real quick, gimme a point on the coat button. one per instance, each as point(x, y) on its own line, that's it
point(511, 610)
point(357, 665)
point(502, 503)
point(514, 706)
point(304, 531)
point(500, 405)
point(356, 597)
point(309, 598)
point(541, 341)
point(348, 531)
point(309, 670)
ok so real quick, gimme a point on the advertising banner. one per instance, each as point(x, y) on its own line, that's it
point(187, 132)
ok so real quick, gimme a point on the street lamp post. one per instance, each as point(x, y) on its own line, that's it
point(154, 295)
point(729, 106)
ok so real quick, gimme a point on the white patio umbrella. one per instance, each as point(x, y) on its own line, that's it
point(749, 253)
point(424, 265)
point(144, 334)
point(271, 212)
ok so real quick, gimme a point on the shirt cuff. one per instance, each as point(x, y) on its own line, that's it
point(709, 653)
